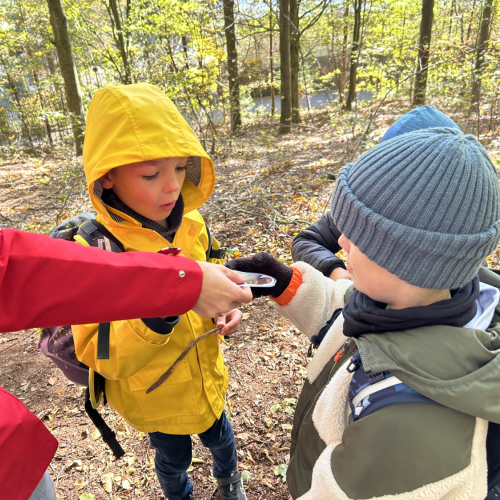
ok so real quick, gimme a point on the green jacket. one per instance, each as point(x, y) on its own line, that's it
point(404, 451)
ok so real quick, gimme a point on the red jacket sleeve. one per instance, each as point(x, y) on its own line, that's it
point(46, 282)
point(26, 448)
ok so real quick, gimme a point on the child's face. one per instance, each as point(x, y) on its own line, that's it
point(371, 279)
point(151, 188)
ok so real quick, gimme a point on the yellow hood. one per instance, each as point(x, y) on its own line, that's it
point(132, 123)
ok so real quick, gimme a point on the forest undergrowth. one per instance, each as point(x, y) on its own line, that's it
point(268, 187)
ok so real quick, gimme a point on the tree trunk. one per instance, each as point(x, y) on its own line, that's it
point(351, 94)
point(423, 52)
point(344, 54)
point(286, 82)
point(471, 20)
point(62, 41)
point(271, 55)
point(185, 51)
point(232, 65)
point(118, 34)
point(15, 91)
point(35, 76)
point(294, 59)
point(482, 47)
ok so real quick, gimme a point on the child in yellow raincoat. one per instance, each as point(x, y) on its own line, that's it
point(147, 175)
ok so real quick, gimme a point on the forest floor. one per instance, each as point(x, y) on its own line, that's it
point(268, 188)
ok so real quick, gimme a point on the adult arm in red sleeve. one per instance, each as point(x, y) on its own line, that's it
point(46, 282)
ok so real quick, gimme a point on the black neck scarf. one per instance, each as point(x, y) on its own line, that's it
point(364, 315)
point(174, 220)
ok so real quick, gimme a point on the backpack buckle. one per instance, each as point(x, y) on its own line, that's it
point(354, 364)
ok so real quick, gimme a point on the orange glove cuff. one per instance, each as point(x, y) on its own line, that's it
point(290, 290)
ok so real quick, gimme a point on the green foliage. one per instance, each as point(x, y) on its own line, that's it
point(179, 45)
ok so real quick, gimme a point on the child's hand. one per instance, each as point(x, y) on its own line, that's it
point(339, 273)
point(230, 321)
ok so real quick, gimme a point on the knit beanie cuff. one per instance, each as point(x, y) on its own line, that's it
point(422, 258)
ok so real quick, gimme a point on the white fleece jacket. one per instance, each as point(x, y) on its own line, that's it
point(310, 309)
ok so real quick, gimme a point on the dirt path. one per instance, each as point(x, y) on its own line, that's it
point(268, 188)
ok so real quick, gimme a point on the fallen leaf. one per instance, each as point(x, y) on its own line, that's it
point(107, 482)
point(76, 464)
point(52, 380)
point(126, 484)
point(245, 475)
point(246, 315)
point(280, 470)
point(286, 427)
point(86, 496)
point(249, 457)
point(197, 461)
point(80, 484)
point(44, 413)
point(268, 484)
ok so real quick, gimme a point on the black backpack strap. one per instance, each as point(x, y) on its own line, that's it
point(493, 456)
point(103, 340)
point(96, 235)
point(318, 338)
point(108, 436)
point(213, 253)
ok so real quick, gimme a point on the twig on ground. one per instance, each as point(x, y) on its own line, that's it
point(20, 340)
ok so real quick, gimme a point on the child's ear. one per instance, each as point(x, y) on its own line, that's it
point(106, 181)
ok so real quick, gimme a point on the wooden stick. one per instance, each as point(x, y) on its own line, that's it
point(180, 358)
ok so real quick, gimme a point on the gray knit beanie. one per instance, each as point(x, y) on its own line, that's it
point(423, 205)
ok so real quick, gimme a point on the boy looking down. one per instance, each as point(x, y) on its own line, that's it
point(147, 175)
point(404, 387)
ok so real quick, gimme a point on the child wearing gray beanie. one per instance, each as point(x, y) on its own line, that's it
point(425, 206)
point(402, 397)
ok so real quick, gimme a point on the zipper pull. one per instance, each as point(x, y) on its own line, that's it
point(341, 351)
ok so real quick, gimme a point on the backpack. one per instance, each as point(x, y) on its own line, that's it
point(57, 342)
point(369, 392)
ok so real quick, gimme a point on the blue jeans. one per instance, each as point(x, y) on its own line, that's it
point(174, 455)
point(45, 489)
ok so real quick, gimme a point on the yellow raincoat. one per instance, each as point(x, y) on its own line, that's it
point(126, 124)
